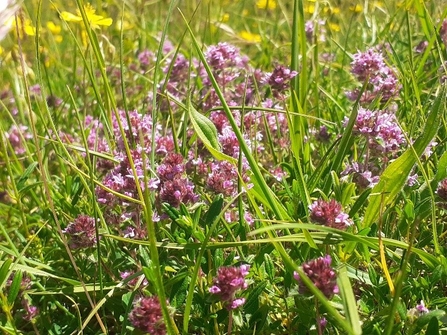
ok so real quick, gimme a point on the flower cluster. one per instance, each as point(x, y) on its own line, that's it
point(369, 67)
point(229, 280)
point(82, 232)
point(321, 274)
point(174, 187)
point(29, 311)
point(381, 129)
point(147, 316)
point(223, 178)
point(442, 190)
point(384, 140)
point(279, 80)
point(417, 311)
point(16, 137)
point(329, 213)
point(443, 32)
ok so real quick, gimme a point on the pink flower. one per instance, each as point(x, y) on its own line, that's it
point(329, 213)
point(229, 280)
point(321, 274)
point(147, 316)
point(81, 232)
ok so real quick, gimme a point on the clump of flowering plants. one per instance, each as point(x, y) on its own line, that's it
point(161, 175)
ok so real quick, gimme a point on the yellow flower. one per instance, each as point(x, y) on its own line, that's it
point(266, 4)
point(334, 27)
point(225, 17)
point(357, 8)
point(331, 10)
point(249, 37)
point(94, 20)
point(378, 4)
point(309, 9)
point(55, 30)
point(25, 26)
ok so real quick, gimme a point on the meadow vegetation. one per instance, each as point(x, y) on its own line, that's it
point(223, 167)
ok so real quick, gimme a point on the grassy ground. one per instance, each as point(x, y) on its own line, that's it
point(218, 167)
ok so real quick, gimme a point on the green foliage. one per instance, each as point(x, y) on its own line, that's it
point(185, 164)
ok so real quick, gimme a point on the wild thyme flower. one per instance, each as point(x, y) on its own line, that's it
point(172, 167)
point(135, 280)
point(30, 310)
point(420, 48)
point(381, 130)
point(122, 180)
point(147, 316)
point(321, 274)
point(417, 311)
point(223, 56)
point(16, 136)
point(309, 28)
point(229, 280)
point(442, 190)
point(81, 232)
point(443, 32)
point(279, 80)
point(175, 188)
point(138, 131)
point(177, 191)
point(145, 58)
point(223, 178)
point(369, 67)
point(329, 213)
point(363, 176)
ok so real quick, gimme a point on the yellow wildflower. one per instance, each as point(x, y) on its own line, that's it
point(378, 4)
point(334, 27)
point(331, 10)
point(266, 4)
point(309, 9)
point(94, 20)
point(225, 17)
point(25, 25)
point(250, 37)
point(357, 8)
point(55, 30)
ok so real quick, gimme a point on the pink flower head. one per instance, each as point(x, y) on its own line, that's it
point(81, 232)
point(147, 316)
point(321, 274)
point(229, 280)
point(329, 213)
point(442, 190)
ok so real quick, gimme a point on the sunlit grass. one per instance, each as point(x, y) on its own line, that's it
point(218, 167)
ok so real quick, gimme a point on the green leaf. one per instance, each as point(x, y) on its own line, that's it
point(24, 177)
point(269, 267)
point(433, 327)
point(428, 317)
point(395, 175)
point(252, 303)
point(214, 210)
point(4, 270)
point(441, 173)
point(207, 132)
point(15, 287)
point(349, 302)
